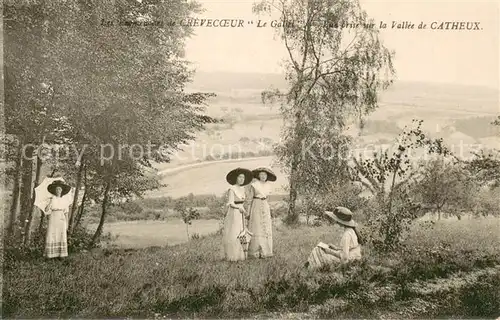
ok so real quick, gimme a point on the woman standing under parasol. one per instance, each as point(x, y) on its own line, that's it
point(56, 244)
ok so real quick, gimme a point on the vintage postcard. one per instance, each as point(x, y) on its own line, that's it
point(280, 159)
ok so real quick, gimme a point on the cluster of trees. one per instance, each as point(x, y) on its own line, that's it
point(71, 80)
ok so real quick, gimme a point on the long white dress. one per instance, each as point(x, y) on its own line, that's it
point(261, 244)
point(56, 243)
point(233, 225)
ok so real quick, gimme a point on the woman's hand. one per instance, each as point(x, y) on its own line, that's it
point(242, 210)
point(330, 251)
point(333, 247)
point(49, 205)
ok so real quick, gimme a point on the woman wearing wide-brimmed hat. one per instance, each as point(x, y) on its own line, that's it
point(260, 224)
point(234, 221)
point(350, 247)
point(56, 245)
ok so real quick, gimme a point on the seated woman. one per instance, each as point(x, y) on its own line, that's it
point(349, 249)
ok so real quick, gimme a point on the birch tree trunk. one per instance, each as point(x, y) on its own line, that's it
point(27, 227)
point(26, 187)
point(75, 199)
point(105, 200)
point(16, 192)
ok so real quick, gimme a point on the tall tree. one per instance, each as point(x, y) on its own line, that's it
point(335, 75)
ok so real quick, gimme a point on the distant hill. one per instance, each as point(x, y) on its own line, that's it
point(227, 81)
point(404, 93)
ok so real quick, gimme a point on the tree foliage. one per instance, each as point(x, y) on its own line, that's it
point(188, 214)
point(446, 184)
point(391, 177)
point(86, 74)
point(334, 76)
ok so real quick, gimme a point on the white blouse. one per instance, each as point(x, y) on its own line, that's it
point(235, 194)
point(349, 246)
point(261, 189)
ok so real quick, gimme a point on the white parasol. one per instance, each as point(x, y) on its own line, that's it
point(42, 195)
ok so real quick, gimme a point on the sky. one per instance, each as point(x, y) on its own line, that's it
point(459, 57)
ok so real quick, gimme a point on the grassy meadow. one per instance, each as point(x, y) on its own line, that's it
point(153, 269)
point(450, 269)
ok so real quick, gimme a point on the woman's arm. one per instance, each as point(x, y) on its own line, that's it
point(48, 207)
point(249, 199)
point(333, 252)
point(230, 199)
point(67, 219)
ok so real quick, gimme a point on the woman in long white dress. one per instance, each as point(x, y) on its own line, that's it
point(350, 242)
point(234, 219)
point(260, 224)
point(56, 243)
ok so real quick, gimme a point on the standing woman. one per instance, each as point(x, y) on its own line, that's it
point(234, 220)
point(56, 244)
point(261, 244)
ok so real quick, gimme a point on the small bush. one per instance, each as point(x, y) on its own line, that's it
point(131, 207)
point(195, 236)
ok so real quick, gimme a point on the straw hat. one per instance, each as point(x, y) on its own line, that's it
point(342, 216)
point(58, 183)
point(270, 174)
point(232, 176)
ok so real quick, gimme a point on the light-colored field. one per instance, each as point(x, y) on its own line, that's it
point(211, 179)
point(142, 234)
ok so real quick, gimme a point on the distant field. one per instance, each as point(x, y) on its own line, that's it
point(460, 115)
point(443, 114)
point(142, 234)
point(201, 180)
point(441, 106)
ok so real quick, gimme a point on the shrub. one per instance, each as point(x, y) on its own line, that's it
point(131, 207)
point(348, 195)
point(488, 202)
point(81, 239)
point(390, 178)
point(195, 236)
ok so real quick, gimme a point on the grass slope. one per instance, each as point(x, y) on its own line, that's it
point(191, 280)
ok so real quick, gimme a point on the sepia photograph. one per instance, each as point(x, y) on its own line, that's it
point(250, 159)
